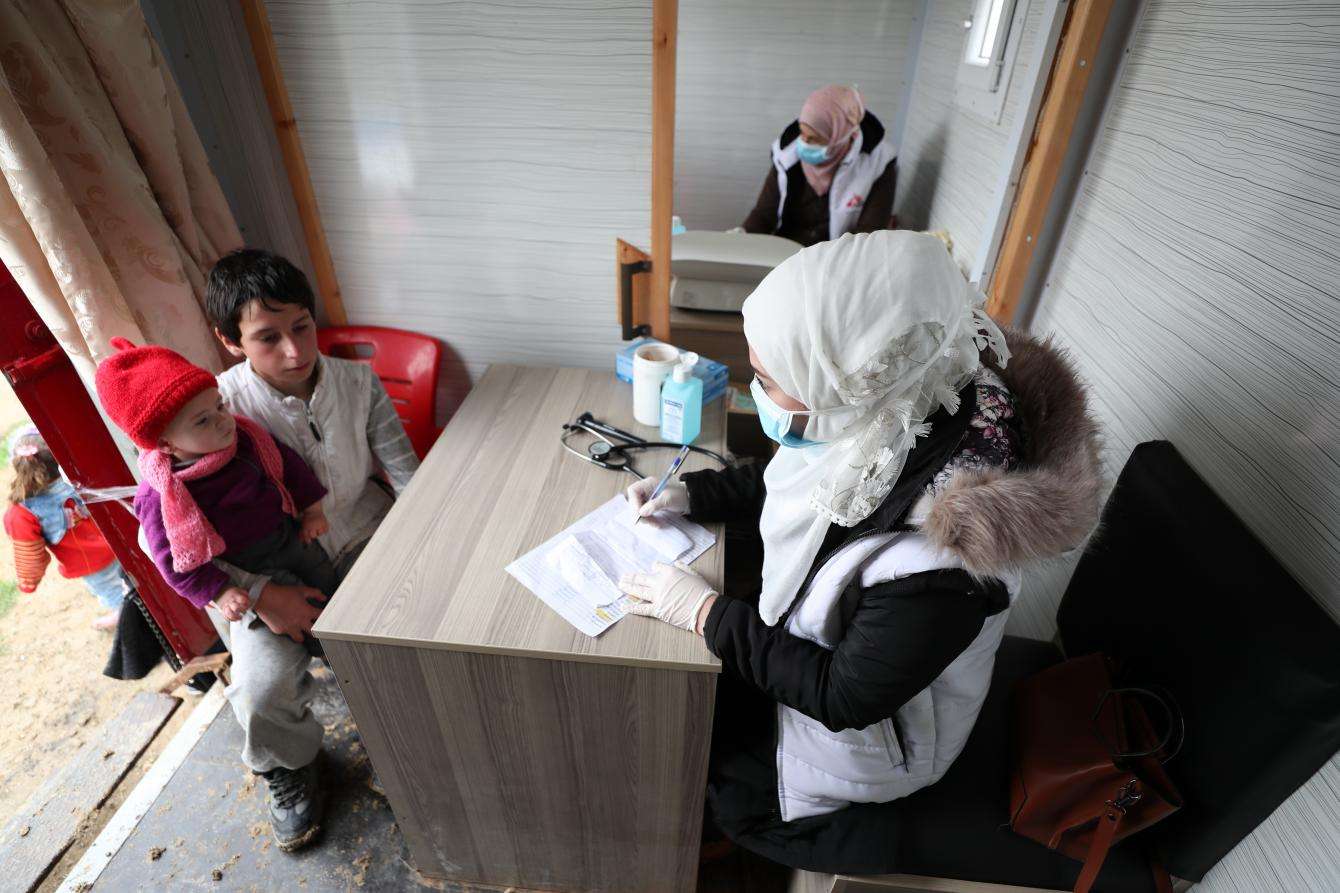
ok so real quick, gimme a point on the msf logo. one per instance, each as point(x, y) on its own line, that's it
point(855, 201)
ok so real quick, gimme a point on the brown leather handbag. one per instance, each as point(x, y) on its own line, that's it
point(1088, 762)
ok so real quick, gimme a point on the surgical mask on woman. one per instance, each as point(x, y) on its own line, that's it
point(776, 422)
point(811, 154)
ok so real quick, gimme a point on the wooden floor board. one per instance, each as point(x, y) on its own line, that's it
point(44, 828)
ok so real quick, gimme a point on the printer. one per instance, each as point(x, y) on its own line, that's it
point(716, 271)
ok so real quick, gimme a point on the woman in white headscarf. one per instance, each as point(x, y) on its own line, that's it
point(894, 521)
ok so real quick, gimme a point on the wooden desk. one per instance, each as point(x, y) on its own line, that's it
point(514, 749)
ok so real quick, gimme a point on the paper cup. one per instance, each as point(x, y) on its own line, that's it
point(651, 364)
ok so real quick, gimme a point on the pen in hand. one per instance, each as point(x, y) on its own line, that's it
point(665, 478)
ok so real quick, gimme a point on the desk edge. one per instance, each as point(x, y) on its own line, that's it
point(714, 666)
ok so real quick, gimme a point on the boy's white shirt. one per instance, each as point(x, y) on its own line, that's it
point(360, 433)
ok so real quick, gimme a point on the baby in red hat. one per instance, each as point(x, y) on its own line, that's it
point(206, 492)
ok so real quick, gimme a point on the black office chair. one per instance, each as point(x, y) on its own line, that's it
point(1184, 597)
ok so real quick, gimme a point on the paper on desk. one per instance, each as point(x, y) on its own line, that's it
point(575, 571)
point(584, 565)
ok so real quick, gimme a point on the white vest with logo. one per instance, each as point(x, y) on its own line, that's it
point(819, 770)
point(851, 181)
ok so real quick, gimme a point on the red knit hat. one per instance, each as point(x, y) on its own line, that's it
point(143, 388)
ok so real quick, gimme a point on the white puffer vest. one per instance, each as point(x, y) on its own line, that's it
point(820, 771)
point(851, 181)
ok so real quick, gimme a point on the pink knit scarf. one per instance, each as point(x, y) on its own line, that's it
point(193, 539)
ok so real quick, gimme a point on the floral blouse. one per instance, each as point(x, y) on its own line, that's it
point(994, 438)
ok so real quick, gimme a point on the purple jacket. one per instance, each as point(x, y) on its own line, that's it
point(239, 501)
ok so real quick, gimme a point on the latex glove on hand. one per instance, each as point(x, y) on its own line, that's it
point(671, 592)
point(674, 498)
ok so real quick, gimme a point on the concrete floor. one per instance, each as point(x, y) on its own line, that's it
point(211, 826)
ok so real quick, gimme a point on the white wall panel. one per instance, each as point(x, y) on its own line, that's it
point(951, 159)
point(474, 163)
point(745, 68)
point(1198, 285)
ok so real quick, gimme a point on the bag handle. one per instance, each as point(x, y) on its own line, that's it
point(1174, 724)
point(1175, 711)
point(1114, 811)
point(1103, 837)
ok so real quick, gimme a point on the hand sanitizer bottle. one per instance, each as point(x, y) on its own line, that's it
point(682, 402)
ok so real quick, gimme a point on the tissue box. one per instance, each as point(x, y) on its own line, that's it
point(712, 373)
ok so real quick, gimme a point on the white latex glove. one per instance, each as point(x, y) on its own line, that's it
point(674, 498)
point(671, 592)
point(735, 229)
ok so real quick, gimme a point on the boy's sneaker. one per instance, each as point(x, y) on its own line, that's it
point(295, 805)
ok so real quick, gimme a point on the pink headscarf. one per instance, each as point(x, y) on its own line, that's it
point(835, 113)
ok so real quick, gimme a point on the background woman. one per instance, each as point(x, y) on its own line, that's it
point(833, 172)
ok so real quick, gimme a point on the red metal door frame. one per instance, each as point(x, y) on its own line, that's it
point(51, 391)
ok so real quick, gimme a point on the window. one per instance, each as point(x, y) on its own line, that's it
point(988, 55)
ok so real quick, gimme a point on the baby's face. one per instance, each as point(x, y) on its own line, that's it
point(203, 426)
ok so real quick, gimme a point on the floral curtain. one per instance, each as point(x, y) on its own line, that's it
point(109, 214)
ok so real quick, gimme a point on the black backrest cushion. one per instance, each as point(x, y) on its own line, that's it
point(1181, 593)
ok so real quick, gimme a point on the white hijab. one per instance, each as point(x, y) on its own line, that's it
point(874, 332)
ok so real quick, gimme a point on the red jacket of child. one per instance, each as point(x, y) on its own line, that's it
point(80, 552)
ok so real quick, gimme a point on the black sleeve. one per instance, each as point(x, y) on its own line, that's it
point(900, 638)
point(763, 219)
point(878, 210)
point(728, 494)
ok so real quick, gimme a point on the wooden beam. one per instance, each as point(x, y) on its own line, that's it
point(1069, 78)
point(205, 663)
point(290, 146)
point(664, 36)
point(45, 826)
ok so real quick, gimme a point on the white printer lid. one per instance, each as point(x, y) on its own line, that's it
point(728, 257)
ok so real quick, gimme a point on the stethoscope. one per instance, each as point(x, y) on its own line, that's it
point(611, 447)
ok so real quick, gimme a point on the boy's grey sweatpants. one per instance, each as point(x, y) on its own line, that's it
point(272, 688)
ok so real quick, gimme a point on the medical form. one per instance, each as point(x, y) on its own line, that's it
point(576, 572)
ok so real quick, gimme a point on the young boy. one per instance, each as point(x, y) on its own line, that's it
point(337, 416)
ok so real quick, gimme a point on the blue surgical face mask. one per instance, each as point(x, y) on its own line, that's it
point(776, 422)
point(811, 154)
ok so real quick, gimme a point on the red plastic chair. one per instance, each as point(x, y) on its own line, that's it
point(407, 364)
